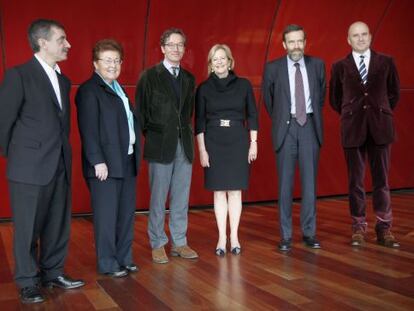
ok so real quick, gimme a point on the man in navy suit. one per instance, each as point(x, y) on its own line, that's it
point(34, 136)
point(294, 93)
point(364, 90)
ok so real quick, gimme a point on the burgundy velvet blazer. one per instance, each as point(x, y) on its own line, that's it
point(365, 109)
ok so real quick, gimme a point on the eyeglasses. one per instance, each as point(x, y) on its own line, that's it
point(109, 61)
point(175, 46)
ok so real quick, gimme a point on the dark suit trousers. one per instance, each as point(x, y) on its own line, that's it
point(300, 145)
point(113, 205)
point(40, 214)
point(378, 158)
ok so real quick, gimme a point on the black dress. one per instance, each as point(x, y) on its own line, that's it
point(225, 112)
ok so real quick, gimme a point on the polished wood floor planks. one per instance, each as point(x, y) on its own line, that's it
point(336, 277)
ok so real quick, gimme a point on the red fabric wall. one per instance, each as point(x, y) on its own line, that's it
point(253, 30)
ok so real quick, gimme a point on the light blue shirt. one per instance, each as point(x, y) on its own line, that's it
point(292, 72)
point(118, 90)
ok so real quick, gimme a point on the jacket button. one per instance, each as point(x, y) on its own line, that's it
point(365, 106)
point(287, 122)
point(365, 94)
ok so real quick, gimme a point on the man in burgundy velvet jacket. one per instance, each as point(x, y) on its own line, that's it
point(364, 90)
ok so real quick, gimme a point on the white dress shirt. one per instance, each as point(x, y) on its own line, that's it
point(51, 73)
point(357, 58)
point(292, 72)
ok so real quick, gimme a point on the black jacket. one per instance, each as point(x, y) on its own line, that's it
point(103, 127)
point(162, 120)
point(34, 130)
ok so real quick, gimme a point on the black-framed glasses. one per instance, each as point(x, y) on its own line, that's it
point(109, 61)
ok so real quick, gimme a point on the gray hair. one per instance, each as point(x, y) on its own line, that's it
point(41, 29)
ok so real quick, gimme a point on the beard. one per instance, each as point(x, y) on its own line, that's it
point(295, 54)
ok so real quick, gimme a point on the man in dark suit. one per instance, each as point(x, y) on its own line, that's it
point(165, 101)
point(34, 136)
point(364, 90)
point(294, 92)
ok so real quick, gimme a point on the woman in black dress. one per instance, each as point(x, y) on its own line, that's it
point(225, 114)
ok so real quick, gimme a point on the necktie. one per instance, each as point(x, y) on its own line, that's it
point(299, 97)
point(363, 72)
point(175, 71)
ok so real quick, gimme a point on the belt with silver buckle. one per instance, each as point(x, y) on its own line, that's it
point(224, 122)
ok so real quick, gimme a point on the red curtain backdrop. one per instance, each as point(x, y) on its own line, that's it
point(253, 30)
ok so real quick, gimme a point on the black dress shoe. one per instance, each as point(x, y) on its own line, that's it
point(31, 294)
point(117, 274)
point(220, 252)
point(285, 245)
point(236, 250)
point(311, 242)
point(131, 268)
point(64, 282)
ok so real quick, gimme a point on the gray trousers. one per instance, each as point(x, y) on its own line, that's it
point(173, 178)
point(300, 145)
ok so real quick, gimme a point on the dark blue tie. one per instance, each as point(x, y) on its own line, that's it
point(363, 72)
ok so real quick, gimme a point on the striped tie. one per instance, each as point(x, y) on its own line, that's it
point(175, 71)
point(363, 72)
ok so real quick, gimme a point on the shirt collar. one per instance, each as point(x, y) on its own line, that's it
point(366, 54)
point(46, 66)
point(169, 66)
point(292, 63)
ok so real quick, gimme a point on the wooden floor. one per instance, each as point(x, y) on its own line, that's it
point(337, 277)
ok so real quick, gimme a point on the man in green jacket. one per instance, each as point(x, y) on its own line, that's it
point(165, 101)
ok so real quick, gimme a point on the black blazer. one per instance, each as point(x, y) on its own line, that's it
point(161, 121)
point(103, 127)
point(34, 130)
point(276, 92)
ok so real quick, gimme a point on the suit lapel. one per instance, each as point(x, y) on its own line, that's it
point(64, 92)
point(373, 67)
point(46, 84)
point(311, 78)
point(286, 84)
point(164, 76)
point(184, 88)
point(350, 63)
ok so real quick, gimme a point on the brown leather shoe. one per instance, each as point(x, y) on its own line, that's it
point(183, 252)
point(358, 238)
point(159, 255)
point(387, 239)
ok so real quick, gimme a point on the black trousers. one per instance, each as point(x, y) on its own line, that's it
point(113, 205)
point(41, 216)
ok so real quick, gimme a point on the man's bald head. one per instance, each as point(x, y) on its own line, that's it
point(359, 37)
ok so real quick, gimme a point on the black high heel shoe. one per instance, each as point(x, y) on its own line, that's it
point(220, 252)
point(236, 250)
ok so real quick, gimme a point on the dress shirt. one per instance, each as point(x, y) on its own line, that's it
point(292, 72)
point(169, 67)
point(357, 58)
point(51, 73)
